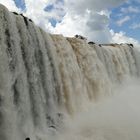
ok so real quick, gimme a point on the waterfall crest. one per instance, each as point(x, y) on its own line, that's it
point(44, 76)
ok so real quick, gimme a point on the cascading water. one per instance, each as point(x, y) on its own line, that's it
point(52, 87)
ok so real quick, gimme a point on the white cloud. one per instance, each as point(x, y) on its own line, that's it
point(130, 9)
point(70, 25)
point(135, 26)
point(97, 22)
point(122, 38)
point(95, 29)
point(105, 12)
point(89, 18)
point(80, 6)
point(35, 10)
point(9, 4)
point(123, 20)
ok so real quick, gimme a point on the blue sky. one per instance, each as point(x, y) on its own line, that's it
point(130, 10)
point(111, 20)
point(20, 4)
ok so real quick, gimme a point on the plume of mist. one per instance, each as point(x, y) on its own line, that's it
point(116, 118)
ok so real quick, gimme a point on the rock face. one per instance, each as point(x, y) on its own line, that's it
point(43, 76)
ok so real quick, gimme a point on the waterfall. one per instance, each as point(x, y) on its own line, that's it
point(48, 81)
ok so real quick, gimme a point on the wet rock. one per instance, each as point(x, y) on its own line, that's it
point(91, 43)
point(80, 37)
point(15, 13)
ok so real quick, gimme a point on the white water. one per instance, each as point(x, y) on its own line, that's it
point(52, 87)
point(117, 118)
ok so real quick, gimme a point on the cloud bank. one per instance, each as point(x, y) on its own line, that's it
point(89, 18)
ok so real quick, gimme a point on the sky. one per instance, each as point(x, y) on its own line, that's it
point(101, 21)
